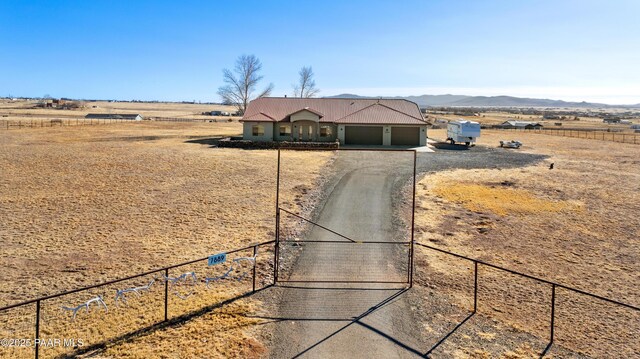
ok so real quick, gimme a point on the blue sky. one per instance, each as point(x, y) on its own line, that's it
point(176, 50)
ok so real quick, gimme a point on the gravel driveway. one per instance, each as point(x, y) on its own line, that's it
point(363, 200)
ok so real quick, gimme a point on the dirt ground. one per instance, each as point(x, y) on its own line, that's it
point(83, 205)
point(576, 224)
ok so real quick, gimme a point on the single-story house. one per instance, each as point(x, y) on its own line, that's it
point(114, 116)
point(527, 125)
point(386, 122)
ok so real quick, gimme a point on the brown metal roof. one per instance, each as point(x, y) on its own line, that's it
point(337, 110)
point(258, 117)
point(380, 114)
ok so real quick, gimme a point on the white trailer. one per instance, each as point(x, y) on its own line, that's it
point(463, 131)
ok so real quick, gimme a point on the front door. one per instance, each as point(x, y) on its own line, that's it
point(305, 132)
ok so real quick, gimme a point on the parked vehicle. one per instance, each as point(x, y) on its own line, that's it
point(463, 131)
point(510, 144)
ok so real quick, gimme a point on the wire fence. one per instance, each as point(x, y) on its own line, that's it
point(178, 119)
point(66, 122)
point(620, 137)
point(80, 320)
point(540, 286)
point(58, 122)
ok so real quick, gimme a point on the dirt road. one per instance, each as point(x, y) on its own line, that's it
point(320, 318)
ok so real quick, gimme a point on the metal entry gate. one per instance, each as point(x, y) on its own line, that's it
point(324, 255)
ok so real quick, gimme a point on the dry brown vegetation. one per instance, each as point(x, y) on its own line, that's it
point(583, 123)
point(30, 114)
point(577, 225)
point(83, 205)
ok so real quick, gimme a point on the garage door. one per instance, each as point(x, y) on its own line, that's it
point(405, 136)
point(363, 135)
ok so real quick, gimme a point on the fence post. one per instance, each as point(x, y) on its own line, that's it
point(553, 311)
point(475, 286)
point(166, 294)
point(37, 327)
point(255, 262)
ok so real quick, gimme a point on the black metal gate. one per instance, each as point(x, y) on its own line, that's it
point(324, 255)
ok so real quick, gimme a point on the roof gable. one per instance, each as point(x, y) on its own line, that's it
point(380, 114)
point(308, 109)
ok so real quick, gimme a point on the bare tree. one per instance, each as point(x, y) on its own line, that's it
point(306, 86)
point(241, 83)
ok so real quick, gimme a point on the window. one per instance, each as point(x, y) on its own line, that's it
point(258, 130)
point(285, 130)
point(325, 131)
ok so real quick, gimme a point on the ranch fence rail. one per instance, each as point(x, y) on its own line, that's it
point(42, 123)
point(554, 287)
point(66, 122)
point(610, 136)
point(178, 119)
point(164, 271)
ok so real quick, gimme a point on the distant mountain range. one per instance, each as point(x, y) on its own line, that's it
point(489, 101)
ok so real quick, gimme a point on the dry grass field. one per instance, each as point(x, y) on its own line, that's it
point(584, 123)
point(576, 224)
point(27, 111)
point(83, 205)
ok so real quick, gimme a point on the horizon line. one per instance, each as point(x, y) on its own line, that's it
point(609, 104)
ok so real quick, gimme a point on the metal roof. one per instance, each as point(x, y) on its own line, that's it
point(380, 114)
point(258, 117)
point(113, 115)
point(337, 110)
point(521, 123)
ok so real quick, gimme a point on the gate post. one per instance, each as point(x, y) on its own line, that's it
point(413, 216)
point(276, 250)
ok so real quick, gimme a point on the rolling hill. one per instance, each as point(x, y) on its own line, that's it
point(489, 101)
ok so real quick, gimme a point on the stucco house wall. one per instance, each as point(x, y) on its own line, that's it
point(276, 131)
point(247, 131)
